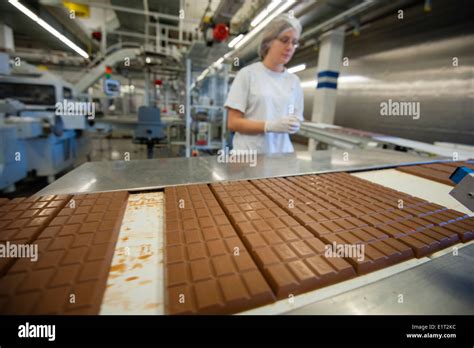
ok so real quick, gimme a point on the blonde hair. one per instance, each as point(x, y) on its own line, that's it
point(277, 26)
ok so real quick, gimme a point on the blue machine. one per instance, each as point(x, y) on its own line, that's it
point(31, 127)
point(13, 166)
point(150, 129)
point(463, 177)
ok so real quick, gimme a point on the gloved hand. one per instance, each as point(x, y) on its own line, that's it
point(288, 124)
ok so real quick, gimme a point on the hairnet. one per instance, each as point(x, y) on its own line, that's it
point(277, 26)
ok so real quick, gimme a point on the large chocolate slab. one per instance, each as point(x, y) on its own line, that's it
point(208, 268)
point(23, 219)
point(373, 215)
point(464, 228)
point(344, 227)
point(75, 252)
point(3, 200)
point(430, 240)
point(439, 172)
point(291, 258)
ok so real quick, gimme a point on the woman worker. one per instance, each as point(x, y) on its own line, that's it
point(265, 102)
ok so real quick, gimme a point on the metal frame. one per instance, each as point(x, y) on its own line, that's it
point(158, 15)
point(189, 87)
point(147, 38)
point(188, 107)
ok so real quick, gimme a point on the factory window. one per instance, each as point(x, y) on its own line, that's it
point(67, 93)
point(28, 93)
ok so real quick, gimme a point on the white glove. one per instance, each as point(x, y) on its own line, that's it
point(288, 124)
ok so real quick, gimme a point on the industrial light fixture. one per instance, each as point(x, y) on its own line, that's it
point(234, 41)
point(341, 79)
point(49, 28)
point(216, 65)
point(297, 68)
point(308, 84)
point(265, 13)
point(265, 22)
point(203, 75)
point(352, 79)
point(218, 62)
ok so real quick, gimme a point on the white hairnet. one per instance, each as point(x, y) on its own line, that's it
point(277, 26)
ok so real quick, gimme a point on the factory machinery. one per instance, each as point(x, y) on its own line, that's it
point(41, 121)
point(35, 137)
point(157, 236)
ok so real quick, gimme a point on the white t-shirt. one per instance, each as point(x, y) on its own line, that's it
point(263, 94)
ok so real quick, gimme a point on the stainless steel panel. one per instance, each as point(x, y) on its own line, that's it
point(442, 286)
point(156, 173)
point(409, 60)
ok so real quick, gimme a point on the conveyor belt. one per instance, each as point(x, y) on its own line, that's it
point(135, 279)
point(280, 247)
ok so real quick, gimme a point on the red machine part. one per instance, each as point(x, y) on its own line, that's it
point(221, 32)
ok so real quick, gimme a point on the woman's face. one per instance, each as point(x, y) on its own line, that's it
point(283, 47)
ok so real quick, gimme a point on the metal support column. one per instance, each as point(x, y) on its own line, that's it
point(181, 8)
point(329, 63)
point(103, 38)
point(146, 100)
point(188, 107)
point(224, 112)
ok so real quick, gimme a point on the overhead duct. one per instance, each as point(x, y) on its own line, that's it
point(321, 12)
point(62, 16)
point(226, 10)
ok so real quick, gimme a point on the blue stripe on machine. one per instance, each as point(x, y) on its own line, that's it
point(328, 73)
point(330, 85)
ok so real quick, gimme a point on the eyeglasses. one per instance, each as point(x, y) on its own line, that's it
point(286, 40)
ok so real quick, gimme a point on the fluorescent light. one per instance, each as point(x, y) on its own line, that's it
point(265, 12)
point(297, 68)
point(264, 23)
point(308, 84)
point(235, 40)
point(203, 75)
point(341, 79)
point(49, 28)
point(352, 79)
point(218, 62)
point(127, 88)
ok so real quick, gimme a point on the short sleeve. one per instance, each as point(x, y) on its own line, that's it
point(238, 94)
